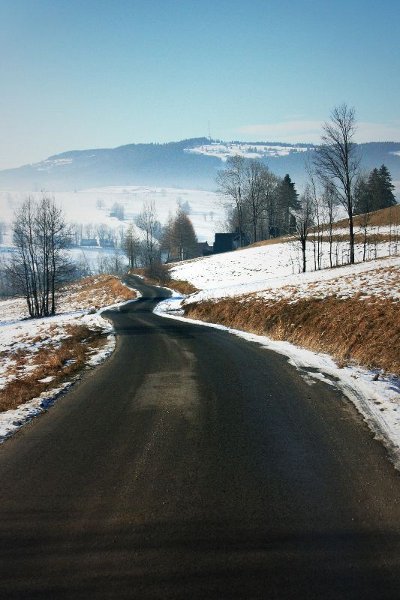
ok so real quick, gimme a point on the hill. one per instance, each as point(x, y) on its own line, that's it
point(189, 163)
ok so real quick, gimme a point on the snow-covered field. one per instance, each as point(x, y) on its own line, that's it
point(93, 206)
point(271, 272)
point(22, 339)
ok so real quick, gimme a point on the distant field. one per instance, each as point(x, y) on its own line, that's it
point(94, 206)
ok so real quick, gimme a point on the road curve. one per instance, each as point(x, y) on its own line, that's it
point(194, 464)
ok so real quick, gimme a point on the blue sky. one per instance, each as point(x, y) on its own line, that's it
point(81, 74)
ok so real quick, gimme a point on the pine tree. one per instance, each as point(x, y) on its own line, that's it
point(362, 197)
point(287, 200)
point(376, 192)
point(386, 198)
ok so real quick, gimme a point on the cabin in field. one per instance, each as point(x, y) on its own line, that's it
point(88, 242)
point(225, 242)
point(204, 249)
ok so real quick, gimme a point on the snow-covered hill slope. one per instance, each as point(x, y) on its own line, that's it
point(275, 267)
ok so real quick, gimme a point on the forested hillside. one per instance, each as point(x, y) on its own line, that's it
point(188, 163)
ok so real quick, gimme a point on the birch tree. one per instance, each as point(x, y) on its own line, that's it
point(147, 220)
point(304, 220)
point(337, 161)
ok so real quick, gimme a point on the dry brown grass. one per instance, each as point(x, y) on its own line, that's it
point(182, 286)
point(68, 357)
point(98, 291)
point(179, 285)
point(60, 363)
point(270, 242)
point(351, 330)
point(378, 218)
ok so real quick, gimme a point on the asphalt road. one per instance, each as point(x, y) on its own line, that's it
point(196, 465)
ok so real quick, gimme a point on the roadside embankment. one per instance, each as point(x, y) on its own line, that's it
point(40, 357)
point(364, 331)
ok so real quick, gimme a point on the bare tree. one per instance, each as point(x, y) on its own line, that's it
point(318, 230)
point(337, 161)
point(304, 221)
point(147, 220)
point(167, 238)
point(39, 262)
point(231, 184)
point(131, 247)
point(269, 187)
point(255, 199)
point(329, 207)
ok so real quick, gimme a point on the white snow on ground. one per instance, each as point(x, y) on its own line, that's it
point(273, 269)
point(272, 272)
point(28, 336)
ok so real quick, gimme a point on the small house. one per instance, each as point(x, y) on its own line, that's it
point(87, 242)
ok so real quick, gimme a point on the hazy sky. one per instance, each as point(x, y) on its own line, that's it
point(78, 74)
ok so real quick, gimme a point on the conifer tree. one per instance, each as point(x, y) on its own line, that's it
point(287, 200)
point(376, 192)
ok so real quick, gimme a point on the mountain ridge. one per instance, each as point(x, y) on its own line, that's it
point(189, 163)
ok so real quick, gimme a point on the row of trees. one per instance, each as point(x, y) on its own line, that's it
point(41, 238)
point(335, 178)
point(175, 241)
point(260, 205)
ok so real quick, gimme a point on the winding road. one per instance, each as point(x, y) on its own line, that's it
point(196, 465)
